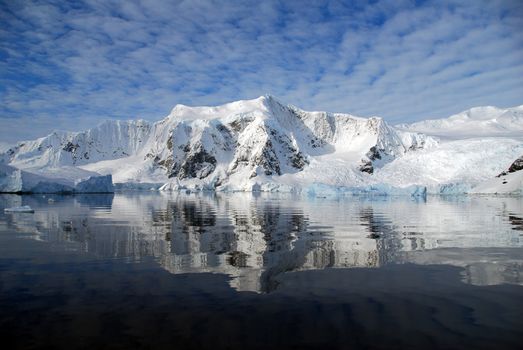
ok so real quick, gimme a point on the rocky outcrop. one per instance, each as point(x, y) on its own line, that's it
point(366, 167)
point(517, 165)
point(198, 164)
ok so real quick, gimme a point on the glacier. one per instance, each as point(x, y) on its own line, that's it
point(265, 145)
point(13, 180)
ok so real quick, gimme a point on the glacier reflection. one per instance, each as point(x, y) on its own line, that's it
point(255, 239)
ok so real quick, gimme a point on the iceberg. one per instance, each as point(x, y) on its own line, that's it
point(14, 180)
point(22, 209)
point(95, 184)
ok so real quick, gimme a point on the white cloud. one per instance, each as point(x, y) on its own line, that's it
point(72, 66)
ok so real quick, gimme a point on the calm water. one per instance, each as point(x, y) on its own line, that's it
point(242, 271)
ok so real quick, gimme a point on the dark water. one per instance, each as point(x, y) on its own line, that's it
point(240, 271)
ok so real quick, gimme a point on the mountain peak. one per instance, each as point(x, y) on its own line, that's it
point(262, 103)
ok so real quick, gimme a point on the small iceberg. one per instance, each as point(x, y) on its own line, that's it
point(22, 209)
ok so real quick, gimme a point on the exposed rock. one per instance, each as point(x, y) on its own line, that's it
point(374, 153)
point(517, 165)
point(298, 161)
point(268, 160)
point(70, 147)
point(367, 167)
point(198, 164)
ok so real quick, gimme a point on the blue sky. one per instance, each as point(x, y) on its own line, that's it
point(70, 65)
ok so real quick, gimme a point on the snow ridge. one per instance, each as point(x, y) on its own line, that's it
point(109, 140)
point(475, 122)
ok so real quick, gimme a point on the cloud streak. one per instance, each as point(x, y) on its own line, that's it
point(71, 65)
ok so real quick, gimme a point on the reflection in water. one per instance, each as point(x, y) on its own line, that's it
point(516, 221)
point(255, 239)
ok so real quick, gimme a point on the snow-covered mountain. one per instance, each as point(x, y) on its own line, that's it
point(474, 122)
point(263, 144)
point(109, 140)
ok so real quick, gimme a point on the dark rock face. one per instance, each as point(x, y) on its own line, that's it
point(294, 156)
point(374, 153)
point(277, 153)
point(198, 164)
point(268, 160)
point(516, 166)
point(70, 147)
point(167, 164)
point(298, 161)
point(73, 149)
point(367, 167)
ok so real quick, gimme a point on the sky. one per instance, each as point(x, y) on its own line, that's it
point(70, 65)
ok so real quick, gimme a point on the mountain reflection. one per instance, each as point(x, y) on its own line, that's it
point(255, 239)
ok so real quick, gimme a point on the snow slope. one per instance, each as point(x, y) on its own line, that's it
point(470, 161)
point(511, 184)
point(508, 182)
point(109, 140)
point(475, 122)
point(265, 145)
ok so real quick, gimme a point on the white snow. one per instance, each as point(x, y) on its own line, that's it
point(109, 140)
point(509, 184)
point(132, 169)
point(264, 145)
point(217, 112)
point(478, 121)
point(456, 162)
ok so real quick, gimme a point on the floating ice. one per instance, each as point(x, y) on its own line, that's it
point(22, 209)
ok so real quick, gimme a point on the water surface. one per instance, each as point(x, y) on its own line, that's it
point(229, 271)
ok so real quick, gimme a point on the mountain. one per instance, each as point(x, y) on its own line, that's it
point(475, 122)
point(263, 144)
point(109, 140)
